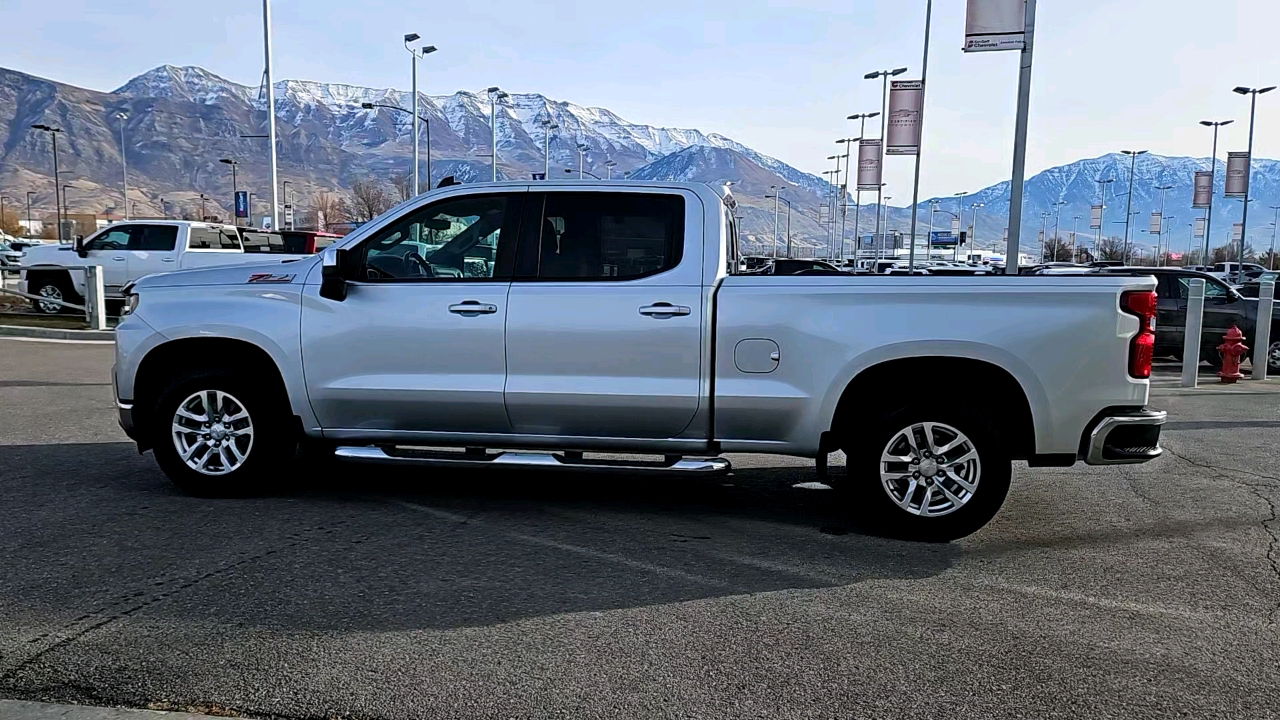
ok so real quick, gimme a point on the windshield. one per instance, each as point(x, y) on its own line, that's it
point(454, 238)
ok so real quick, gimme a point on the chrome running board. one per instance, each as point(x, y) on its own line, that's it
point(529, 460)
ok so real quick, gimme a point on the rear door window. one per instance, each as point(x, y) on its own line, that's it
point(154, 238)
point(599, 236)
point(212, 238)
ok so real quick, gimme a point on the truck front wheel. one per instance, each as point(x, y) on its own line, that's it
point(220, 434)
point(931, 474)
point(53, 287)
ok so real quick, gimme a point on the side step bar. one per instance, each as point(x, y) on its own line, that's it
point(534, 460)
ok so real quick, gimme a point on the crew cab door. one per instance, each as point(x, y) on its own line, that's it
point(152, 249)
point(605, 315)
point(417, 345)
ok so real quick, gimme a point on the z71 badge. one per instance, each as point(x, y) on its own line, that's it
point(270, 278)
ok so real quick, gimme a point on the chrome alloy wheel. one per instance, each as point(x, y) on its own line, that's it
point(212, 432)
point(1273, 356)
point(53, 293)
point(930, 469)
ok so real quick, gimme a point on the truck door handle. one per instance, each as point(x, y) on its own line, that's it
point(166, 259)
point(472, 308)
point(662, 310)
point(118, 257)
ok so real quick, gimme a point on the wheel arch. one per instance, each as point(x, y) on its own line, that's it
point(167, 360)
point(992, 388)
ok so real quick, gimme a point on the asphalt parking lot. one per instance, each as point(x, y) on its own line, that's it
point(1144, 591)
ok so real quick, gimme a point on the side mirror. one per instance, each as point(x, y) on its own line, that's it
point(333, 275)
point(78, 245)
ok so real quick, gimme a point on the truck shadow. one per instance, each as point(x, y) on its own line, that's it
point(99, 529)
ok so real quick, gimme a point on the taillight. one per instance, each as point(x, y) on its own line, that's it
point(1141, 303)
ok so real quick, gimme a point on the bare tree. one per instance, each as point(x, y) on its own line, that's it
point(325, 211)
point(1056, 250)
point(1109, 248)
point(368, 200)
point(9, 223)
point(403, 183)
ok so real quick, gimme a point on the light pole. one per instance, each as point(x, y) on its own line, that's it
point(495, 94)
point(884, 75)
point(234, 185)
point(776, 192)
point(1075, 222)
point(30, 225)
point(547, 127)
point(202, 213)
point(1102, 209)
point(844, 204)
point(1057, 219)
point(1133, 160)
point(928, 241)
point(835, 193)
point(1271, 257)
point(417, 55)
point(57, 198)
point(884, 207)
point(1044, 229)
point(271, 114)
point(1213, 172)
point(2, 199)
point(960, 221)
point(974, 232)
point(609, 165)
point(124, 164)
point(1244, 217)
point(582, 152)
point(857, 193)
point(288, 204)
point(425, 121)
point(1162, 189)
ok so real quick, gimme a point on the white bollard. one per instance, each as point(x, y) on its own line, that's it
point(1262, 330)
point(1191, 343)
point(95, 306)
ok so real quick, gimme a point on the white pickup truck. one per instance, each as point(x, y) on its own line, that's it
point(127, 251)
point(540, 325)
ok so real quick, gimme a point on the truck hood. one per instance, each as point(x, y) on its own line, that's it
point(291, 270)
point(50, 254)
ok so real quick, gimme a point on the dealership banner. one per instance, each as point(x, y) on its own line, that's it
point(1199, 231)
point(869, 165)
point(1237, 175)
point(991, 25)
point(1095, 217)
point(1157, 224)
point(906, 105)
point(1203, 195)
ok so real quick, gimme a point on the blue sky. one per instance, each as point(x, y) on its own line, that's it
point(780, 76)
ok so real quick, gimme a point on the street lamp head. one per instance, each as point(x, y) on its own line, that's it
point(897, 71)
point(493, 89)
point(366, 105)
point(46, 128)
point(428, 49)
point(229, 161)
point(871, 75)
point(411, 37)
point(1242, 90)
point(122, 116)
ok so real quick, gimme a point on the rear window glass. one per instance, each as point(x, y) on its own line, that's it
point(207, 238)
point(262, 242)
point(153, 237)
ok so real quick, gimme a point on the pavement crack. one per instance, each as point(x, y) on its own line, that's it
point(1268, 524)
point(128, 604)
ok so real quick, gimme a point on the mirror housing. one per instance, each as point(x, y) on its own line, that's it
point(78, 245)
point(333, 274)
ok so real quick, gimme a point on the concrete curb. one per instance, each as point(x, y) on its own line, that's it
point(22, 710)
point(55, 333)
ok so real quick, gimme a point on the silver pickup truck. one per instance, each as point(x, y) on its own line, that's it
point(544, 325)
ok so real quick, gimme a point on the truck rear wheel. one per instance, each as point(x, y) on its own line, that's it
point(930, 473)
point(220, 434)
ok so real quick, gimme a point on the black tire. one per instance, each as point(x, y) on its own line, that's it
point(271, 442)
point(54, 286)
point(880, 513)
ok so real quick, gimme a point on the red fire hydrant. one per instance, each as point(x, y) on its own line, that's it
point(1231, 351)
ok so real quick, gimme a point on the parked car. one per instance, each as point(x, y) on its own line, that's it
point(1223, 307)
point(10, 258)
point(614, 318)
point(1231, 270)
point(790, 266)
point(290, 242)
point(127, 251)
point(1251, 287)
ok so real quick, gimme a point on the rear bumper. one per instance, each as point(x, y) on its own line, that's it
point(1125, 438)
